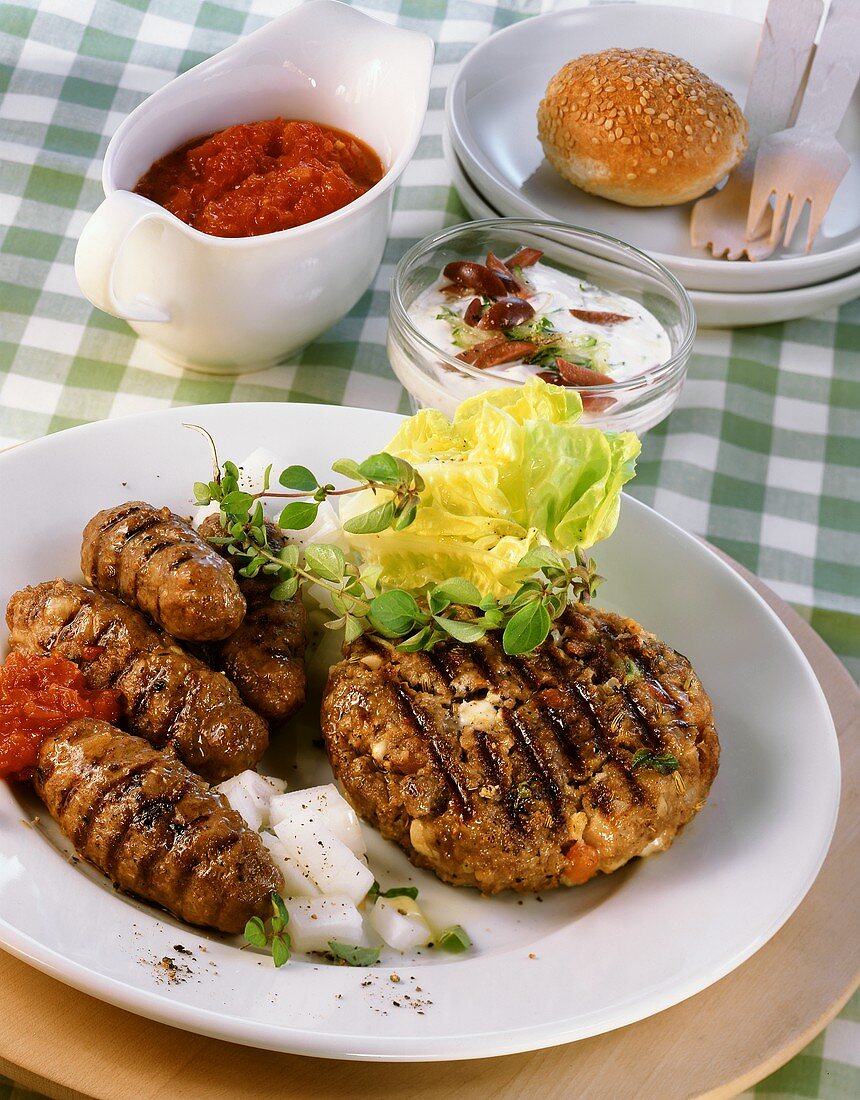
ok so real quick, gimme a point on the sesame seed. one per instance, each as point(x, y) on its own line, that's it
point(652, 171)
point(688, 129)
point(631, 175)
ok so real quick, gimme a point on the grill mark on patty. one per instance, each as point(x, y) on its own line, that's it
point(133, 532)
point(494, 772)
point(81, 835)
point(118, 518)
point(599, 658)
point(423, 724)
point(54, 636)
point(602, 735)
point(151, 551)
point(157, 852)
point(492, 767)
point(69, 626)
point(134, 778)
point(540, 767)
point(553, 721)
point(180, 559)
point(103, 631)
point(116, 674)
point(189, 860)
point(148, 553)
point(631, 649)
point(156, 684)
point(516, 668)
point(551, 724)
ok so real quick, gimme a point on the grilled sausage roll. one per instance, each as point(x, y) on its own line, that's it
point(156, 561)
point(172, 698)
point(265, 657)
point(153, 827)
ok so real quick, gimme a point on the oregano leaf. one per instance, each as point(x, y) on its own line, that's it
point(298, 477)
point(526, 629)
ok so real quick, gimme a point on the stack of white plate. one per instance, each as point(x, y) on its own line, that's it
point(498, 165)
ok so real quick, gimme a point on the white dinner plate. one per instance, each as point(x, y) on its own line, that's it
point(491, 109)
point(713, 309)
point(544, 970)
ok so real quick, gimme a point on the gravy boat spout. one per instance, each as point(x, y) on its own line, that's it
point(233, 304)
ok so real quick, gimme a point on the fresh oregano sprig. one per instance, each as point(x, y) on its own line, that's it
point(257, 934)
point(454, 609)
point(415, 621)
point(457, 609)
point(395, 479)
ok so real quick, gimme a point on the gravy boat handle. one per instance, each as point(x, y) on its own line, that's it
point(100, 247)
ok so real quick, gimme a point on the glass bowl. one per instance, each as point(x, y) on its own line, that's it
point(436, 379)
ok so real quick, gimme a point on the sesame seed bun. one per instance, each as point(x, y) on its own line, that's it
point(640, 127)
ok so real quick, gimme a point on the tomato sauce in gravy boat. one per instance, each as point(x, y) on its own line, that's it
point(235, 304)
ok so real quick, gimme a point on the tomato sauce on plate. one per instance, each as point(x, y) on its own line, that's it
point(260, 177)
point(37, 696)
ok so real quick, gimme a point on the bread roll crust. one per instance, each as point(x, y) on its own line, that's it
point(641, 127)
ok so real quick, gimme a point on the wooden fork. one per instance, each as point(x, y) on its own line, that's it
point(720, 220)
point(806, 164)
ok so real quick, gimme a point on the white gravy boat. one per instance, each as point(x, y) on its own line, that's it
point(228, 305)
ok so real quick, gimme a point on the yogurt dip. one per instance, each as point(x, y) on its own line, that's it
point(608, 333)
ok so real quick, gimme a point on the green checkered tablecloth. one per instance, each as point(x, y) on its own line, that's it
point(761, 456)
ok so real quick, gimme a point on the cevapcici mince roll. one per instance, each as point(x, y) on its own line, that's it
point(153, 827)
point(265, 657)
point(156, 561)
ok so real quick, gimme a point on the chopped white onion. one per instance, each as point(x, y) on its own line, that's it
point(295, 883)
point(324, 806)
point(249, 793)
point(400, 923)
point(315, 921)
point(278, 786)
point(242, 799)
point(325, 859)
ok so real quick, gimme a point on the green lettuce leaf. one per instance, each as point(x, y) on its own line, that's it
point(513, 470)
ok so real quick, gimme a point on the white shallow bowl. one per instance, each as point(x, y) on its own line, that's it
point(713, 309)
point(491, 110)
point(577, 963)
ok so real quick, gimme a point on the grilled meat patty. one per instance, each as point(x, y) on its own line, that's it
point(522, 772)
point(154, 560)
point(153, 827)
point(171, 698)
point(265, 657)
